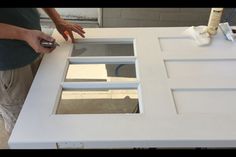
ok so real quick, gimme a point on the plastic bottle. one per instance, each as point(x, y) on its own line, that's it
point(214, 20)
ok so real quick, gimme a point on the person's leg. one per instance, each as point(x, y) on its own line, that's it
point(14, 87)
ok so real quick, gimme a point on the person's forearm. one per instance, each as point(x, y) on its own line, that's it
point(53, 14)
point(12, 32)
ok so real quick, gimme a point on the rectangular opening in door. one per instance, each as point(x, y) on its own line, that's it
point(98, 101)
point(101, 73)
point(99, 47)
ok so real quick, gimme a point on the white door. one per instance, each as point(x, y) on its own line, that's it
point(131, 87)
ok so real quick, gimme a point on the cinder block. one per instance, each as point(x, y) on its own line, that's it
point(202, 10)
point(111, 12)
point(156, 17)
point(179, 24)
point(118, 22)
point(168, 9)
point(140, 15)
point(153, 9)
point(147, 23)
point(184, 17)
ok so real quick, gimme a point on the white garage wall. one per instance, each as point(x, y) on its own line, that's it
point(75, 13)
point(86, 17)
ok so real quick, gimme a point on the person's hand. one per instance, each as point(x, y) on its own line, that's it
point(33, 38)
point(65, 28)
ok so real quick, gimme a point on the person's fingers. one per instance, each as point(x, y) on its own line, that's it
point(46, 37)
point(64, 36)
point(75, 29)
point(81, 28)
point(71, 36)
point(66, 33)
point(82, 31)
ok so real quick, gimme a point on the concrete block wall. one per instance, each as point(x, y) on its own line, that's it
point(157, 17)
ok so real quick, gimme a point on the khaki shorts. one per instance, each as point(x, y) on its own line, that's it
point(14, 87)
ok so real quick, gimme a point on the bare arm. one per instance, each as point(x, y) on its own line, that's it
point(64, 28)
point(12, 32)
point(32, 37)
point(53, 14)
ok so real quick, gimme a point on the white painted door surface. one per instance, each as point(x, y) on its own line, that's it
point(187, 94)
